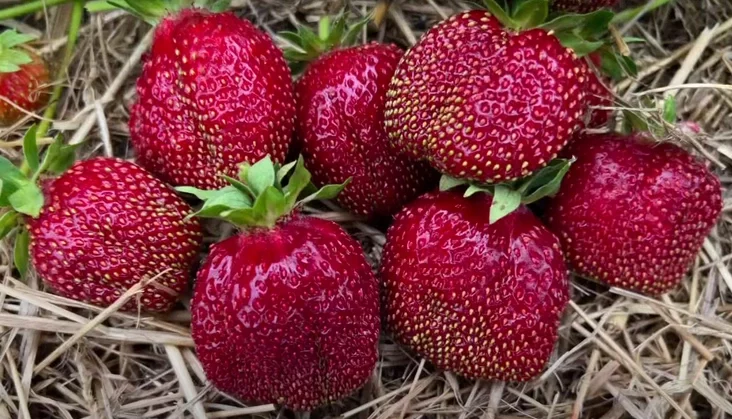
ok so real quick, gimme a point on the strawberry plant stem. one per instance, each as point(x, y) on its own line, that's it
point(74, 24)
point(28, 7)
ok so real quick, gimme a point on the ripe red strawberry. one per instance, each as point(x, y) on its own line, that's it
point(484, 102)
point(286, 311)
point(632, 213)
point(106, 225)
point(582, 6)
point(214, 92)
point(598, 96)
point(482, 300)
point(340, 125)
point(23, 78)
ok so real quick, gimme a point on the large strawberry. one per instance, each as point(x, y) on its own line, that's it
point(485, 98)
point(340, 127)
point(480, 299)
point(23, 78)
point(215, 91)
point(286, 311)
point(582, 6)
point(632, 213)
point(101, 227)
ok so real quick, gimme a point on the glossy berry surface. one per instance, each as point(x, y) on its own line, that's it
point(214, 92)
point(582, 6)
point(340, 125)
point(632, 213)
point(482, 300)
point(25, 88)
point(482, 102)
point(106, 225)
point(288, 315)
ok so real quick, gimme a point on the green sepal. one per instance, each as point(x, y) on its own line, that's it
point(264, 193)
point(152, 11)
point(21, 252)
point(501, 13)
point(332, 33)
point(669, 109)
point(30, 149)
point(8, 221)
point(579, 45)
point(11, 58)
point(615, 65)
point(530, 13)
point(58, 158)
point(28, 199)
point(12, 179)
point(505, 201)
point(510, 195)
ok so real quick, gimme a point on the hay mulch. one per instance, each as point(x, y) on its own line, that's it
point(619, 355)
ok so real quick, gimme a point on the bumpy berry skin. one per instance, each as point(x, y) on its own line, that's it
point(598, 96)
point(214, 92)
point(633, 214)
point(484, 103)
point(25, 88)
point(478, 299)
point(340, 124)
point(106, 225)
point(288, 315)
point(582, 6)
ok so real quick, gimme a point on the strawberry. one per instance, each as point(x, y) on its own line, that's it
point(23, 78)
point(582, 6)
point(485, 99)
point(215, 91)
point(598, 97)
point(632, 213)
point(99, 228)
point(479, 299)
point(340, 125)
point(286, 311)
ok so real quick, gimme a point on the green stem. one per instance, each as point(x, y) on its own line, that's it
point(77, 14)
point(28, 7)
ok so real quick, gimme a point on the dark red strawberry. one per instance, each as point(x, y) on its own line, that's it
point(599, 100)
point(286, 311)
point(340, 125)
point(480, 299)
point(582, 6)
point(23, 78)
point(632, 213)
point(214, 92)
point(106, 225)
point(486, 102)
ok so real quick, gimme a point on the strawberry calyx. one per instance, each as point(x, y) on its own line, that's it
point(583, 33)
point(333, 33)
point(152, 11)
point(264, 193)
point(508, 196)
point(11, 57)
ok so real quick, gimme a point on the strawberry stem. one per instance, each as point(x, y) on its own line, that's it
point(29, 7)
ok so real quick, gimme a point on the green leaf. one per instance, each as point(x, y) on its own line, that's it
point(21, 253)
point(202, 194)
point(11, 60)
point(261, 175)
point(28, 199)
point(449, 182)
point(500, 13)
point(531, 13)
point(285, 170)
point(635, 121)
point(595, 25)
point(30, 149)
point(226, 199)
point(326, 192)
point(241, 186)
point(299, 180)
point(580, 46)
point(669, 109)
point(505, 201)
point(12, 179)
point(474, 189)
point(291, 37)
point(545, 182)
point(11, 38)
point(63, 159)
point(7, 222)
